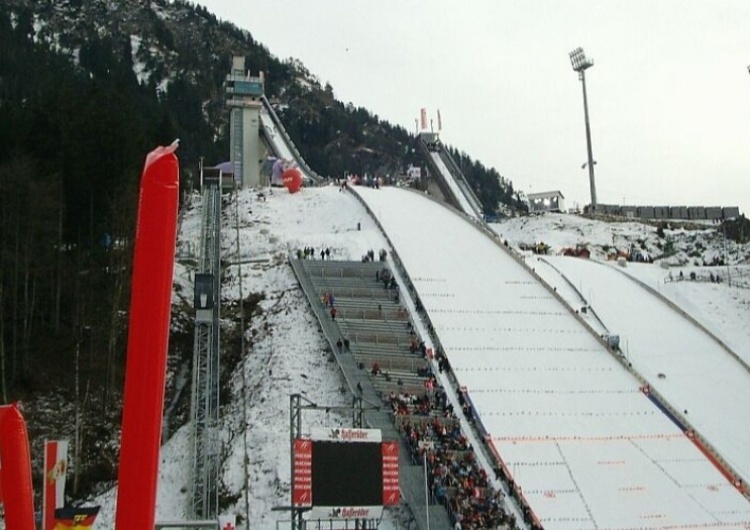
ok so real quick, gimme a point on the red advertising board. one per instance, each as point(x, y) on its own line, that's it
point(302, 472)
point(391, 493)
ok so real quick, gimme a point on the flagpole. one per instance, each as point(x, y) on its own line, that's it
point(47, 519)
point(426, 491)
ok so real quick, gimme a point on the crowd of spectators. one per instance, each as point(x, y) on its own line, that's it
point(455, 480)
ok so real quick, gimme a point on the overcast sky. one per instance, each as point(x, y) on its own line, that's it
point(669, 93)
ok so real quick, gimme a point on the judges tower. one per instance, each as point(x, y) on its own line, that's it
point(244, 94)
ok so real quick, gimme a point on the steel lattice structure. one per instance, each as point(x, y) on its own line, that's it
point(205, 388)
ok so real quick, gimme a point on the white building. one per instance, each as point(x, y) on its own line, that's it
point(548, 201)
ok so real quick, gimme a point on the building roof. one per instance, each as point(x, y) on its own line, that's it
point(545, 194)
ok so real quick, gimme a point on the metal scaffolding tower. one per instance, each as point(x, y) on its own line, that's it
point(205, 395)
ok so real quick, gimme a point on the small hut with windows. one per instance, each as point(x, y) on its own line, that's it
point(548, 201)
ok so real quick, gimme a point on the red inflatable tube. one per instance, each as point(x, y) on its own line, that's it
point(292, 178)
point(148, 338)
point(16, 471)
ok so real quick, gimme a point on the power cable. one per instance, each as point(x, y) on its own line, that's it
point(246, 457)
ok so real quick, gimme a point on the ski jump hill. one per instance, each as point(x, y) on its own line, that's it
point(451, 182)
point(587, 442)
point(280, 144)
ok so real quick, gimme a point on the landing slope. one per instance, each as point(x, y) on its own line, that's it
point(588, 448)
point(680, 360)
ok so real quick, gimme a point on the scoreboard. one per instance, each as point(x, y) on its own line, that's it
point(345, 473)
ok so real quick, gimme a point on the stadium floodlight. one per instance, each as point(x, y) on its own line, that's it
point(579, 60)
point(580, 63)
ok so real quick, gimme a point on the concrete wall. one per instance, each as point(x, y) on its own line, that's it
point(696, 212)
point(713, 212)
point(730, 212)
point(252, 148)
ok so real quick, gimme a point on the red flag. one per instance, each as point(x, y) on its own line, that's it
point(423, 118)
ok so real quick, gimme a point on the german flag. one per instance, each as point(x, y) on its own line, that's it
point(75, 518)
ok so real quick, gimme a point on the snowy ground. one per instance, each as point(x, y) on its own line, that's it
point(288, 355)
point(691, 243)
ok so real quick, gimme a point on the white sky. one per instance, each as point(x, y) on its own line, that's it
point(669, 94)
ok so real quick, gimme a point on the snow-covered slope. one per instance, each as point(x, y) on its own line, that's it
point(287, 353)
point(682, 243)
point(571, 423)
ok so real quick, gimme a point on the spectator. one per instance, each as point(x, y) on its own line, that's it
point(454, 477)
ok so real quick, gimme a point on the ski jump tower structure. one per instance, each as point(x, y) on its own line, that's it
point(245, 100)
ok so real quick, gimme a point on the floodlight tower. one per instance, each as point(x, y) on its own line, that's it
point(580, 63)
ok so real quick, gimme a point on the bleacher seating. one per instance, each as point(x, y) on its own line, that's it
point(379, 334)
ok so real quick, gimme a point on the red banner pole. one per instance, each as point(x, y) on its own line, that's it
point(48, 488)
point(16, 472)
point(148, 339)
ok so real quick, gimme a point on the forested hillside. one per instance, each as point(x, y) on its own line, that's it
point(87, 88)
